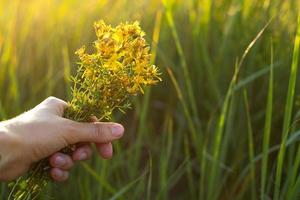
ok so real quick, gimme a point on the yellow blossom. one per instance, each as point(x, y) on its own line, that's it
point(118, 68)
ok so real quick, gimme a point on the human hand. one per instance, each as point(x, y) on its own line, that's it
point(42, 132)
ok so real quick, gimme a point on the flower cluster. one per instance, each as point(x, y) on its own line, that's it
point(118, 68)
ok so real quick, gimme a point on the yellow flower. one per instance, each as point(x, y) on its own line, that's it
point(118, 68)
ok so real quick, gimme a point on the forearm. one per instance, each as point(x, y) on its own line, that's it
point(3, 158)
point(8, 155)
point(1, 144)
point(3, 135)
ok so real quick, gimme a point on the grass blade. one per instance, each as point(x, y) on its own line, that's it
point(149, 184)
point(127, 187)
point(250, 147)
point(185, 108)
point(100, 180)
point(246, 81)
point(288, 112)
point(212, 194)
point(267, 130)
point(142, 129)
point(186, 73)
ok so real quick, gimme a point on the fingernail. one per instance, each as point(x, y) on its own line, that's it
point(117, 130)
point(83, 156)
point(58, 173)
point(105, 149)
point(59, 161)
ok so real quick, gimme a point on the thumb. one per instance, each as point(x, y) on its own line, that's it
point(99, 132)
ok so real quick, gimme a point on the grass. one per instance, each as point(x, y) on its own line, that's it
point(250, 148)
point(267, 130)
point(224, 123)
point(288, 112)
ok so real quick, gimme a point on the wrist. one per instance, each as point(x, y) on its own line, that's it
point(13, 153)
point(2, 127)
point(7, 151)
point(3, 158)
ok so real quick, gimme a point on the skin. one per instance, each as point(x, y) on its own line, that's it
point(42, 132)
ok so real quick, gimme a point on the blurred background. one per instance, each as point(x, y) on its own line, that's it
point(212, 129)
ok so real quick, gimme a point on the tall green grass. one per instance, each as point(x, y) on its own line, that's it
point(267, 130)
point(223, 124)
point(288, 114)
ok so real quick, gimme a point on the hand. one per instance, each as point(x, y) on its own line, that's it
point(42, 132)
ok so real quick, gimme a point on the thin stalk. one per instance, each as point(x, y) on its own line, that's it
point(250, 147)
point(288, 112)
point(186, 73)
point(184, 105)
point(149, 184)
point(142, 126)
point(212, 194)
point(267, 130)
point(190, 176)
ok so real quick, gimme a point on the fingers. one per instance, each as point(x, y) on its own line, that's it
point(105, 150)
point(97, 132)
point(83, 152)
point(59, 174)
point(94, 119)
point(61, 161)
point(53, 101)
point(53, 105)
